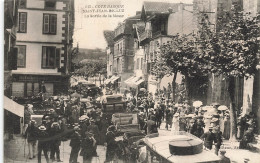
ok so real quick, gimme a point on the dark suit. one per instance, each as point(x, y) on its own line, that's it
point(208, 137)
point(75, 147)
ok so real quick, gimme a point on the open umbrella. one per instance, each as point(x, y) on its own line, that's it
point(222, 107)
point(77, 95)
point(197, 103)
point(142, 89)
point(207, 107)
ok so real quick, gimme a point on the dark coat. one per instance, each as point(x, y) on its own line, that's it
point(151, 127)
point(31, 133)
point(75, 139)
point(208, 137)
point(87, 147)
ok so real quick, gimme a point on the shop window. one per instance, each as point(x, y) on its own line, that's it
point(18, 89)
point(21, 56)
point(22, 26)
point(49, 23)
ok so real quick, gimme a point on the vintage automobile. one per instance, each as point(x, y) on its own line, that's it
point(89, 89)
point(179, 146)
point(112, 104)
point(126, 122)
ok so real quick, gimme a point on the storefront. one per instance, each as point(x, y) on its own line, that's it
point(29, 85)
point(134, 84)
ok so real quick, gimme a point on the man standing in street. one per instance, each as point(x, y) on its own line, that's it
point(208, 138)
point(31, 135)
point(42, 145)
point(75, 145)
point(110, 143)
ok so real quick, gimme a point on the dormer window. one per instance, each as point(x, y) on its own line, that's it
point(50, 4)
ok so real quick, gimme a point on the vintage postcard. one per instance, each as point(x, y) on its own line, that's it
point(132, 81)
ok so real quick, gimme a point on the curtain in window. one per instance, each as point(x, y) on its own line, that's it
point(21, 56)
point(22, 22)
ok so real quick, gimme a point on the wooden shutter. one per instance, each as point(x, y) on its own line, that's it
point(44, 57)
point(57, 58)
point(22, 22)
point(13, 58)
point(53, 23)
point(46, 19)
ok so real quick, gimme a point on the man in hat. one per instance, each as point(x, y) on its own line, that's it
point(42, 145)
point(208, 138)
point(75, 145)
point(27, 116)
point(223, 158)
point(111, 143)
point(88, 147)
point(55, 142)
point(93, 128)
point(219, 141)
point(31, 135)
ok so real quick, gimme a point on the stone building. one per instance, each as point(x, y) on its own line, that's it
point(44, 42)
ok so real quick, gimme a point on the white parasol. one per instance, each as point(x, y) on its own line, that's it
point(222, 107)
point(197, 103)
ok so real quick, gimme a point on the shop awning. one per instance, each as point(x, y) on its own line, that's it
point(107, 81)
point(13, 107)
point(134, 81)
point(114, 78)
point(139, 82)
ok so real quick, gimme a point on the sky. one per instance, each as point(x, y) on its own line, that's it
point(88, 32)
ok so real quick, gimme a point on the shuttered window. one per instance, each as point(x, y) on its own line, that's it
point(22, 22)
point(21, 56)
point(48, 57)
point(49, 23)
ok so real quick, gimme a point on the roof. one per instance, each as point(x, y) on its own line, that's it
point(109, 35)
point(159, 6)
point(160, 145)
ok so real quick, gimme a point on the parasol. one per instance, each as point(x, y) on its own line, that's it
point(197, 103)
point(222, 107)
point(142, 89)
point(76, 95)
point(207, 107)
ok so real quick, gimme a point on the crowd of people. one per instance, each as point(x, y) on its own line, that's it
point(66, 118)
point(85, 124)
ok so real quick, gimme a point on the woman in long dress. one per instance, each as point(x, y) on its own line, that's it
point(226, 133)
point(175, 122)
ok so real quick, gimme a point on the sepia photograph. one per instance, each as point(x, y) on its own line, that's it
point(131, 81)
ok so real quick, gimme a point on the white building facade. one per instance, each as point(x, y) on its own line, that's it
point(43, 42)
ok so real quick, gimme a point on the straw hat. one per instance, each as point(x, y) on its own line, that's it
point(42, 128)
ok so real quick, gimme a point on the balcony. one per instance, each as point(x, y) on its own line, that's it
point(145, 36)
point(159, 33)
